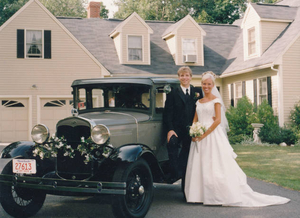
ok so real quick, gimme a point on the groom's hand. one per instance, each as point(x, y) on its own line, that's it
point(170, 134)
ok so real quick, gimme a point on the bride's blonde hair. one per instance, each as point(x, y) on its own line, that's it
point(208, 74)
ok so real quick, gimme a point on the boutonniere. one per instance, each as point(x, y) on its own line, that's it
point(197, 96)
point(167, 89)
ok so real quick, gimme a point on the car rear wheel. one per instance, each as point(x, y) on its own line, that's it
point(19, 202)
point(139, 190)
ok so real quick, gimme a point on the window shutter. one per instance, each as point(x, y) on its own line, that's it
point(269, 86)
point(47, 44)
point(20, 43)
point(243, 88)
point(232, 95)
point(255, 92)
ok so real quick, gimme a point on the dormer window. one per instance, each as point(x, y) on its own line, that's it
point(189, 50)
point(135, 48)
point(251, 41)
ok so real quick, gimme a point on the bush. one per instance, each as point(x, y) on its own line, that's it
point(236, 139)
point(240, 118)
point(295, 116)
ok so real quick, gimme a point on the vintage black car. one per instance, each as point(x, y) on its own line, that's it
point(113, 144)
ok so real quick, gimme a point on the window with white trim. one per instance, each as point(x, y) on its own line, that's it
point(135, 48)
point(189, 47)
point(262, 89)
point(34, 44)
point(238, 91)
point(251, 41)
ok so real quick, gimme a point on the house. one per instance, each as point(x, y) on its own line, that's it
point(41, 55)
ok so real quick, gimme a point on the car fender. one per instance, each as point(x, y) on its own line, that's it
point(18, 149)
point(131, 152)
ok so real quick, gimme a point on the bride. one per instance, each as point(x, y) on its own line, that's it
point(213, 177)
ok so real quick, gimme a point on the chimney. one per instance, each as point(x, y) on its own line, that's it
point(93, 10)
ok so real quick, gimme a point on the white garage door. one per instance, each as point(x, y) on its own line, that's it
point(13, 119)
point(53, 110)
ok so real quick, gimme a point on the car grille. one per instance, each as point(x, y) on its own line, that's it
point(73, 168)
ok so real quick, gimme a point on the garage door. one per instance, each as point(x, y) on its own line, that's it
point(52, 110)
point(13, 119)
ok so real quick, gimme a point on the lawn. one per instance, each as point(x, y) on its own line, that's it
point(275, 164)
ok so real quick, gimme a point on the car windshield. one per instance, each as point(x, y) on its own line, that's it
point(114, 96)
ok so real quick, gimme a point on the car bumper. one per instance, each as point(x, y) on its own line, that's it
point(50, 185)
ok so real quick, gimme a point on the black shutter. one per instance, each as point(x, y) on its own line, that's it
point(232, 95)
point(269, 86)
point(20, 43)
point(255, 91)
point(243, 88)
point(47, 44)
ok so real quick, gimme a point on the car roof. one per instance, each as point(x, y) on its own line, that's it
point(132, 80)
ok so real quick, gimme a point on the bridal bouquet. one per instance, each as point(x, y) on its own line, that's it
point(197, 129)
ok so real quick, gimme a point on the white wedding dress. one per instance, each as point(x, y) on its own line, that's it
point(213, 177)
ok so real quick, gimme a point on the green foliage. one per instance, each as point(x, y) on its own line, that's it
point(271, 132)
point(103, 11)
point(240, 118)
point(68, 8)
point(236, 139)
point(8, 8)
point(295, 116)
point(168, 10)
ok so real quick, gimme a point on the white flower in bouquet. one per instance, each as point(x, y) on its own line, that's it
point(197, 129)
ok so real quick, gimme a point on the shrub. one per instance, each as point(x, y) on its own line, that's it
point(240, 118)
point(236, 139)
point(295, 116)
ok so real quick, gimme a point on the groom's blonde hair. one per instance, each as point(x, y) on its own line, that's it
point(184, 69)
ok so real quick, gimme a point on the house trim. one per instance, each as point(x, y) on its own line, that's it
point(234, 73)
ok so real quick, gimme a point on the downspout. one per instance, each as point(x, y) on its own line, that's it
point(280, 94)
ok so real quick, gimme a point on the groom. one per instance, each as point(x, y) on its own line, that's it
point(179, 112)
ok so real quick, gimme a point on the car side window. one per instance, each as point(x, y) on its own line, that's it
point(160, 99)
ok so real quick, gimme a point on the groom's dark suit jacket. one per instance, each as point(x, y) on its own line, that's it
point(179, 111)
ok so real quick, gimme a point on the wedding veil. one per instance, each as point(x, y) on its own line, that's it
point(215, 92)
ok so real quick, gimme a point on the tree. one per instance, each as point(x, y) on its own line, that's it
point(68, 8)
point(168, 10)
point(103, 11)
point(204, 11)
point(8, 8)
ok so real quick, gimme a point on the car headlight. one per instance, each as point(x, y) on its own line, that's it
point(40, 133)
point(100, 134)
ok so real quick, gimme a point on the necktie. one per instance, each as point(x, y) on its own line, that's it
point(187, 93)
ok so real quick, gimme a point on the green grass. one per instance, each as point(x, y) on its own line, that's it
point(275, 164)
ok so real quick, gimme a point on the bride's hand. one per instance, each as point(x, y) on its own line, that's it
point(197, 139)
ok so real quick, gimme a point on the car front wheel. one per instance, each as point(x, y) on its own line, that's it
point(20, 202)
point(139, 190)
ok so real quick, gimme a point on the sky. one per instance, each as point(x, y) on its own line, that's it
point(109, 5)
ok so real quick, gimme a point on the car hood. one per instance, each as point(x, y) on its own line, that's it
point(111, 118)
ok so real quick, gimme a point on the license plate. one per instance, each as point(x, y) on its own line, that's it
point(26, 166)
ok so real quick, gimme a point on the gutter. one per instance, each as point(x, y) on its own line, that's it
point(247, 70)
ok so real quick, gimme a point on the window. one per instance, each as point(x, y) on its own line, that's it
point(11, 103)
point(189, 47)
point(238, 91)
point(34, 44)
point(135, 49)
point(262, 89)
point(55, 103)
point(160, 99)
point(251, 41)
